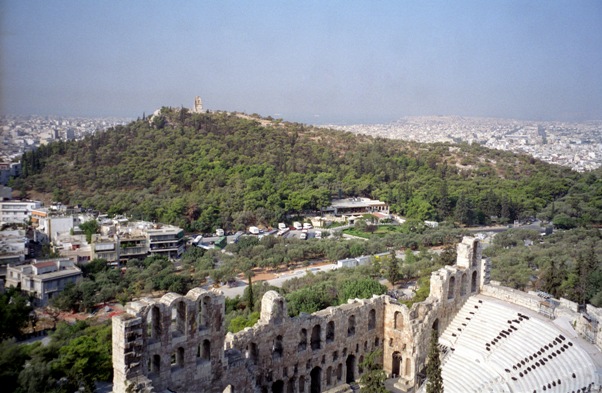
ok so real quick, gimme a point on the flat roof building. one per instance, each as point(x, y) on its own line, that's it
point(356, 205)
point(43, 280)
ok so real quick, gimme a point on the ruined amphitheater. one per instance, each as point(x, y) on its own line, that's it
point(492, 339)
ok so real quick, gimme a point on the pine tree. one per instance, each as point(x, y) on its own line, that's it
point(434, 382)
point(392, 269)
point(373, 378)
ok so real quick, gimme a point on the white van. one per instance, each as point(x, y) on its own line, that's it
point(307, 225)
point(282, 226)
point(297, 225)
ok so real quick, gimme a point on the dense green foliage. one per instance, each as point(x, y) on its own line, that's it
point(374, 377)
point(565, 264)
point(14, 313)
point(203, 171)
point(77, 356)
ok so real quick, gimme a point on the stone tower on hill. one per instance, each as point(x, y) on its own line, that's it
point(198, 105)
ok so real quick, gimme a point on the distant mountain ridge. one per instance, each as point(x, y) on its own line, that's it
point(208, 170)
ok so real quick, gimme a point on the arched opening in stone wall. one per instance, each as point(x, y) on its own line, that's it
point(372, 319)
point(329, 376)
point(278, 386)
point(351, 326)
point(316, 380)
point(475, 246)
point(204, 312)
point(302, 340)
point(330, 332)
point(398, 320)
point(473, 286)
point(360, 369)
point(178, 319)
point(252, 352)
point(153, 321)
point(277, 348)
point(205, 350)
point(340, 372)
point(290, 386)
point(155, 366)
point(395, 364)
point(350, 368)
point(408, 367)
point(376, 342)
point(464, 285)
point(452, 287)
point(302, 384)
point(278, 315)
point(177, 358)
point(316, 340)
point(436, 326)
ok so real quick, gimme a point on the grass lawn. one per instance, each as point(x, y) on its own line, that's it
point(381, 231)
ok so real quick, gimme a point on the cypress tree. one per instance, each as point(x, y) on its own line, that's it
point(434, 382)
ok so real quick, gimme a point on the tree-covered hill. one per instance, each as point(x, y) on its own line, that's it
point(210, 170)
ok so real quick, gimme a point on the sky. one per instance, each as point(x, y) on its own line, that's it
point(309, 61)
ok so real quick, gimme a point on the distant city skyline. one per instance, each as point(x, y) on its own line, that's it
point(338, 62)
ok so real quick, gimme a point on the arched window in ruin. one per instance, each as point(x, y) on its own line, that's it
point(366, 346)
point(436, 326)
point(290, 386)
point(278, 386)
point(340, 372)
point(153, 321)
point(351, 326)
point(302, 340)
point(475, 247)
point(395, 363)
point(316, 380)
point(350, 367)
point(252, 352)
point(205, 350)
point(464, 285)
point(408, 367)
point(360, 370)
point(372, 319)
point(177, 358)
point(329, 376)
point(178, 319)
point(204, 312)
point(277, 348)
point(155, 364)
point(302, 384)
point(452, 287)
point(398, 320)
point(330, 332)
point(376, 342)
point(316, 339)
point(473, 284)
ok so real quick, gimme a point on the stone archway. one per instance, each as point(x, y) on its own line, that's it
point(350, 368)
point(396, 364)
point(316, 380)
point(278, 386)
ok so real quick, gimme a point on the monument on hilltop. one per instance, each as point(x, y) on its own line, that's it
point(198, 105)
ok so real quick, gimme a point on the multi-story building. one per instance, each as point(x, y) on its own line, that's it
point(43, 280)
point(166, 240)
point(17, 212)
point(13, 248)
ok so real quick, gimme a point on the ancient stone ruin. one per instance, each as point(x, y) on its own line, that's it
point(178, 343)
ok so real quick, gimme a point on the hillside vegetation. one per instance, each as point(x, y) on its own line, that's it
point(203, 171)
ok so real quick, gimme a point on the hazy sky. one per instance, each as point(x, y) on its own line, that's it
point(311, 61)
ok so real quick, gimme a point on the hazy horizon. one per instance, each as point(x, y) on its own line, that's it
point(313, 62)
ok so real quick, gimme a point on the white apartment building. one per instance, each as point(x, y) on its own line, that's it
point(17, 212)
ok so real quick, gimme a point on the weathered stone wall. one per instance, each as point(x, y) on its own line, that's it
point(179, 342)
